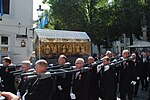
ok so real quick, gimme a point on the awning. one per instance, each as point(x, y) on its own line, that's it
point(60, 34)
point(140, 44)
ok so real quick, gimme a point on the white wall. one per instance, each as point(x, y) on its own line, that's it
point(21, 11)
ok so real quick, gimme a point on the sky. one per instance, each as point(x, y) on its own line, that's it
point(36, 4)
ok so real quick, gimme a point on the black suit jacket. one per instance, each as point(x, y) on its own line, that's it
point(81, 86)
point(108, 78)
point(65, 82)
point(108, 84)
point(127, 72)
point(144, 68)
point(8, 79)
point(137, 65)
point(40, 90)
point(23, 85)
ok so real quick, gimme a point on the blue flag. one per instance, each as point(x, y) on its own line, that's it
point(46, 19)
point(1, 8)
point(36, 26)
point(41, 23)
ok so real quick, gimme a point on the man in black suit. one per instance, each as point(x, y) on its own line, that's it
point(93, 90)
point(136, 64)
point(107, 80)
point(144, 70)
point(26, 65)
point(148, 77)
point(63, 82)
point(81, 82)
point(8, 79)
point(127, 77)
point(39, 89)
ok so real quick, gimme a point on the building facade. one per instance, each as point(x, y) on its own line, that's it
point(16, 31)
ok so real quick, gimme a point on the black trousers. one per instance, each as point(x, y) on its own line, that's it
point(136, 88)
point(149, 94)
point(93, 91)
point(126, 89)
point(108, 93)
point(144, 83)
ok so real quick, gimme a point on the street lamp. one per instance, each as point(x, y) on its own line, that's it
point(23, 43)
point(40, 11)
point(144, 27)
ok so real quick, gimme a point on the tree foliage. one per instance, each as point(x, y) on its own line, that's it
point(104, 21)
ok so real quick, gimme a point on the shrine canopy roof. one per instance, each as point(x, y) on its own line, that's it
point(61, 34)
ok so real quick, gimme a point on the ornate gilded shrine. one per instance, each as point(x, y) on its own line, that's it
point(60, 45)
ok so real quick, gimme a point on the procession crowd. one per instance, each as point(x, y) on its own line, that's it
point(107, 78)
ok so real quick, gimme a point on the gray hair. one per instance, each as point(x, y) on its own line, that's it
point(80, 59)
point(41, 62)
point(27, 62)
point(125, 51)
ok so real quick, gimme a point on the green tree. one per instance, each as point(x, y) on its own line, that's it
point(104, 21)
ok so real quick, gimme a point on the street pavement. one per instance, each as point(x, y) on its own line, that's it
point(142, 95)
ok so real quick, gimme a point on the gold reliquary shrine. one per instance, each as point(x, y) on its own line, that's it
point(56, 46)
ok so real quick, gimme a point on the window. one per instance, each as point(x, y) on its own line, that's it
point(5, 49)
point(4, 40)
point(6, 5)
point(4, 43)
point(4, 46)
